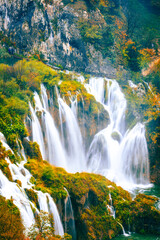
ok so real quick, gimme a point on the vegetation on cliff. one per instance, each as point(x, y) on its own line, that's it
point(124, 33)
point(91, 199)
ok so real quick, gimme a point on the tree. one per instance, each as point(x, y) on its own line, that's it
point(43, 227)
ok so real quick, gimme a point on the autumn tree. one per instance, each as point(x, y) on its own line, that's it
point(43, 227)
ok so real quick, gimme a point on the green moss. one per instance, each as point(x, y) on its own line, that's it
point(11, 226)
point(32, 196)
point(32, 150)
point(4, 166)
point(144, 215)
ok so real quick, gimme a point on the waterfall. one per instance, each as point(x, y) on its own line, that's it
point(54, 152)
point(111, 208)
point(11, 190)
point(37, 135)
point(47, 204)
point(134, 156)
point(73, 137)
point(120, 155)
point(124, 233)
point(6, 20)
point(69, 217)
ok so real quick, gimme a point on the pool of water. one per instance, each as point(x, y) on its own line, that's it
point(153, 191)
point(137, 237)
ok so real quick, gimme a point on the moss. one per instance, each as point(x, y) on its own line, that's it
point(11, 226)
point(4, 166)
point(33, 197)
point(19, 183)
point(33, 151)
point(145, 218)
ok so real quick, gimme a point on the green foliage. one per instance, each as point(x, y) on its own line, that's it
point(142, 211)
point(32, 196)
point(3, 163)
point(3, 53)
point(43, 227)
point(90, 196)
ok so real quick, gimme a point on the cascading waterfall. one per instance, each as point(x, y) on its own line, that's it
point(75, 149)
point(55, 152)
point(37, 135)
point(134, 156)
point(111, 208)
point(69, 217)
point(10, 189)
point(66, 151)
point(47, 204)
point(114, 152)
point(121, 157)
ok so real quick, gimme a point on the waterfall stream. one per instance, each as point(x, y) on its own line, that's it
point(120, 155)
point(27, 209)
point(69, 217)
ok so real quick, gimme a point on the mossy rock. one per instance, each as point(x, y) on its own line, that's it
point(32, 195)
point(11, 226)
point(4, 166)
point(116, 136)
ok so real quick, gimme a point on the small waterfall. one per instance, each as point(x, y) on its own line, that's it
point(111, 208)
point(121, 157)
point(37, 135)
point(69, 218)
point(44, 97)
point(11, 190)
point(73, 138)
point(6, 20)
point(51, 38)
point(57, 221)
point(124, 233)
point(96, 88)
point(47, 204)
point(55, 152)
point(74, 105)
point(134, 156)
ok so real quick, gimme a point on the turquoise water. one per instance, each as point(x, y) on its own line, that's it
point(154, 191)
point(138, 237)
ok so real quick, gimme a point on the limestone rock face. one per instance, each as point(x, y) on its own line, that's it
point(51, 28)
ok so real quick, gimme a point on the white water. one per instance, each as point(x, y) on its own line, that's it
point(10, 190)
point(69, 217)
point(118, 154)
point(37, 135)
point(110, 207)
point(53, 149)
point(73, 138)
point(66, 150)
point(6, 19)
point(47, 204)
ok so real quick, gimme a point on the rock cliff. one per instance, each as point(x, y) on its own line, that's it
point(54, 29)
